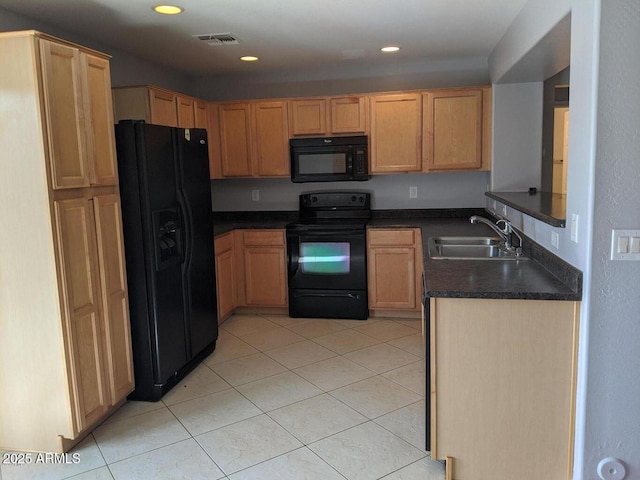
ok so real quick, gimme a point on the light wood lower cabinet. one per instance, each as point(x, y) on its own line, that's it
point(394, 269)
point(65, 347)
point(251, 270)
point(503, 376)
point(225, 275)
point(265, 263)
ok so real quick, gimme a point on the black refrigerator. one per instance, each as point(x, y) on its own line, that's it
point(168, 237)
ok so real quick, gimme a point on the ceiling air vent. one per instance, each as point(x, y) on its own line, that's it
point(218, 39)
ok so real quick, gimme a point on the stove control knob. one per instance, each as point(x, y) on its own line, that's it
point(314, 199)
point(354, 198)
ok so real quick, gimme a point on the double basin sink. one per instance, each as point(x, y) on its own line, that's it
point(470, 248)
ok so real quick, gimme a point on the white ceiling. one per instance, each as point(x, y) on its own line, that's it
point(287, 34)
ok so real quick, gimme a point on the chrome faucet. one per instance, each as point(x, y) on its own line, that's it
point(506, 233)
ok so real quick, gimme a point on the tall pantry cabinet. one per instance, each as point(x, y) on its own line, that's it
point(65, 347)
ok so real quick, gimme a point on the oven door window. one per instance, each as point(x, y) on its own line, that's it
point(325, 258)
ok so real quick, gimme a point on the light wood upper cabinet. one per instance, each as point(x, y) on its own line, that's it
point(453, 129)
point(394, 269)
point(200, 114)
point(503, 379)
point(235, 139)
point(163, 109)
point(308, 117)
point(79, 116)
point(65, 114)
point(348, 115)
point(253, 140)
point(185, 111)
point(101, 146)
point(395, 133)
point(271, 139)
point(159, 106)
point(328, 116)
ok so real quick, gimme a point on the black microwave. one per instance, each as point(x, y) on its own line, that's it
point(329, 159)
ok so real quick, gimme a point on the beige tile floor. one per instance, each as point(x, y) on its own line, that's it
point(280, 398)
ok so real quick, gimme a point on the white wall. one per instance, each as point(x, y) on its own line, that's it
point(613, 387)
point(438, 190)
point(125, 68)
point(517, 136)
point(603, 191)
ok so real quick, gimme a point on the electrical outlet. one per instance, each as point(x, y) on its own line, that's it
point(255, 195)
point(413, 192)
point(555, 240)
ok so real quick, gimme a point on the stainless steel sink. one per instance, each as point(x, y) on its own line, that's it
point(469, 248)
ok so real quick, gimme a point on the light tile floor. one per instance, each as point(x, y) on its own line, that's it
point(279, 399)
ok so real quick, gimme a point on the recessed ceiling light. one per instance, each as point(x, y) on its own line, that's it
point(249, 58)
point(389, 49)
point(168, 9)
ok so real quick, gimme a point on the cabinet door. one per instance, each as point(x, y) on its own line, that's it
point(348, 115)
point(113, 286)
point(163, 108)
point(185, 112)
point(200, 112)
point(393, 269)
point(64, 115)
point(265, 277)
point(308, 117)
point(235, 139)
point(272, 139)
point(83, 328)
point(453, 130)
point(396, 133)
point(503, 380)
point(99, 125)
point(225, 282)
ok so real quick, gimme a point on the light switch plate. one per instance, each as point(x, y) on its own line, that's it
point(624, 242)
point(574, 227)
point(413, 192)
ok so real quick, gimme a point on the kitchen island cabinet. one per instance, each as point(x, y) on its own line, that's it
point(503, 376)
point(65, 350)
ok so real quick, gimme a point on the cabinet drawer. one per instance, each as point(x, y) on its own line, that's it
point(223, 242)
point(264, 237)
point(391, 237)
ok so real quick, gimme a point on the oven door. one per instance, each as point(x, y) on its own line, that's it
point(327, 259)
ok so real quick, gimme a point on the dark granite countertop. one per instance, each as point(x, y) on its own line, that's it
point(224, 222)
point(542, 276)
point(545, 206)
